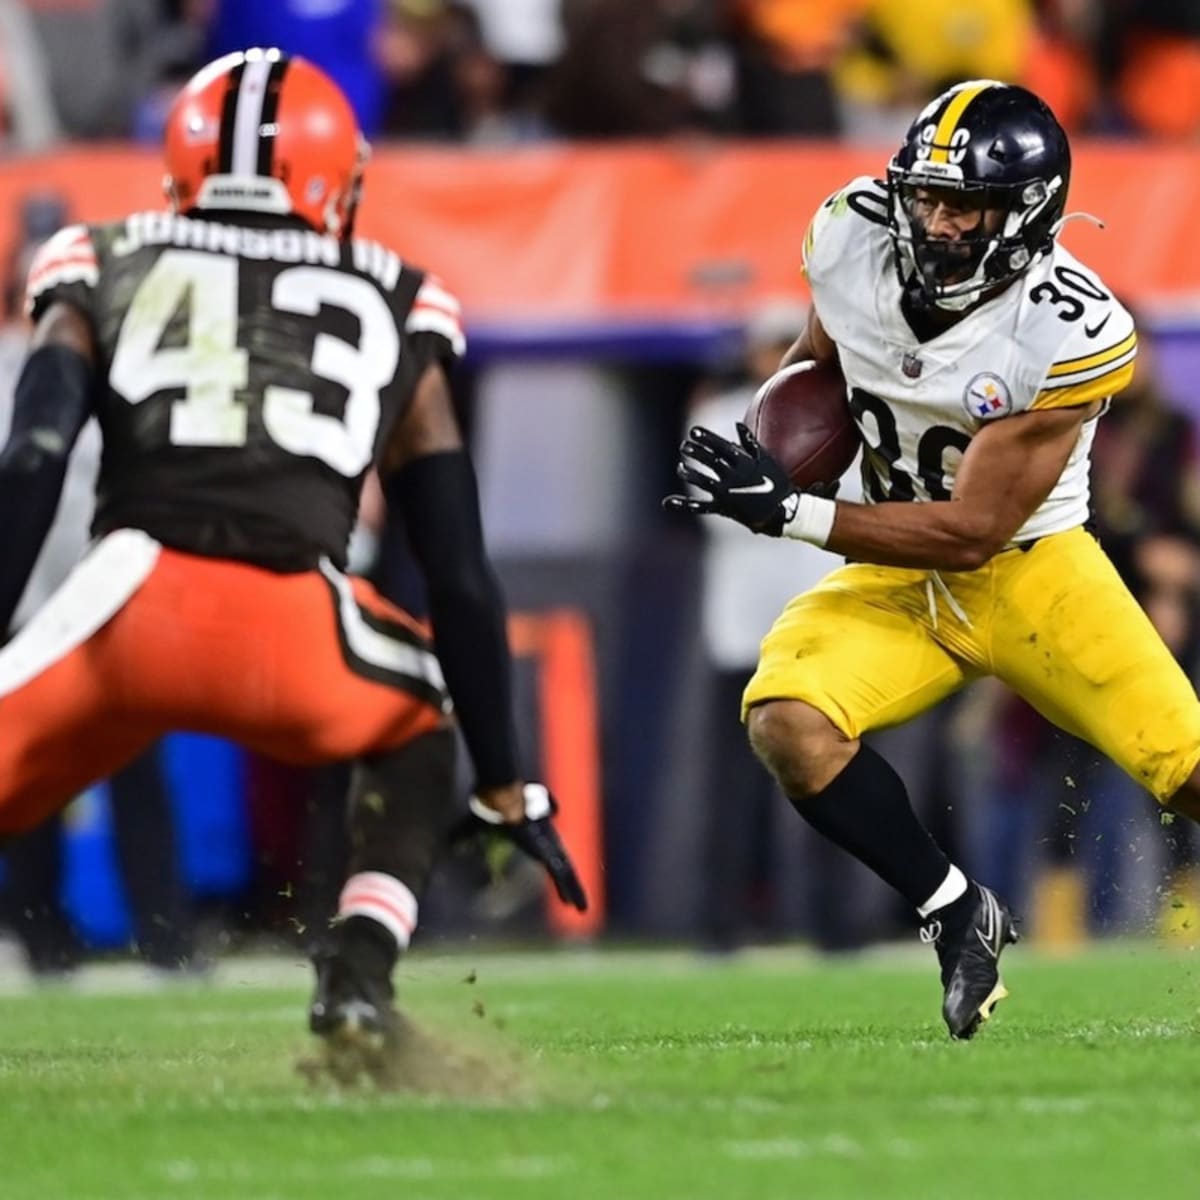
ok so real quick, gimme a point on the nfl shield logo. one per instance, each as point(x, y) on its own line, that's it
point(911, 366)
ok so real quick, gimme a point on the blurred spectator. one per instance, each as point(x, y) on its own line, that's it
point(642, 68)
point(1146, 465)
point(1146, 484)
point(786, 52)
point(748, 824)
point(443, 81)
point(1066, 834)
point(181, 55)
point(140, 803)
point(104, 56)
point(747, 582)
point(1151, 49)
point(338, 35)
point(521, 32)
point(1062, 65)
point(526, 37)
point(28, 118)
point(907, 51)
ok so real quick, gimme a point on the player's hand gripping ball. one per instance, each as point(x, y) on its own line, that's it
point(801, 417)
point(798, 436)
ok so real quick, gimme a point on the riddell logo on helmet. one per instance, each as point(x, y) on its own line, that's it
point(239, 191)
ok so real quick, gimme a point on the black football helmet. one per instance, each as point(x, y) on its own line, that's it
point(1001, 148)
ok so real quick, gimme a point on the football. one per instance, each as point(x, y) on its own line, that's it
point(801, 418)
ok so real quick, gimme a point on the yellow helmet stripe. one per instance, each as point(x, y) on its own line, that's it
point(950, 119)
point(1072, 365)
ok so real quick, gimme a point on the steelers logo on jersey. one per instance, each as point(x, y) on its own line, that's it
point(987, 397)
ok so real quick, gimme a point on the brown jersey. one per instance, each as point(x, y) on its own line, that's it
point(252, 371)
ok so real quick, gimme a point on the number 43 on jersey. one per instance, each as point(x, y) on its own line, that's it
point(212, 368)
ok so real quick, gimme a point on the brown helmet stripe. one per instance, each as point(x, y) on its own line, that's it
point(270, 114)
point(228, 109)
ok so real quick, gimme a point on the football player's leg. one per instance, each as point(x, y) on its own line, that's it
point(368, 689)
point(852, 655)
point(368, 679)
point(293, 666)
point(62, 683)
point(61, 733)
point(1073, 641)
point(146, 845)
point(849, 656)
point(401, 804)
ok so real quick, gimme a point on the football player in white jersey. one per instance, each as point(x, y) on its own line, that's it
point(978, 354)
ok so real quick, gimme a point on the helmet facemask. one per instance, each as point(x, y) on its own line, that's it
point(956, 274)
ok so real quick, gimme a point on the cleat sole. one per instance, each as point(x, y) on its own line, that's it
point(998, 993)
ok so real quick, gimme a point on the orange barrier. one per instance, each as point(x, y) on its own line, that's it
point(560, 643)
point(671, 231)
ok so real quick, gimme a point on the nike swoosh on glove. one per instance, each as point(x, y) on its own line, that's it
point(534, 834)
point(743, 481)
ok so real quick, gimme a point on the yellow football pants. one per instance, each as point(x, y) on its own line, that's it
point(873, 646)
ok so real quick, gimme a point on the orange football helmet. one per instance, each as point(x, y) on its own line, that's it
point(263, 131)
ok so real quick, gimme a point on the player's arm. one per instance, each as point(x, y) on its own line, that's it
point(429, 480)
point(1008, 469)
point(51, 404)
point(1006, 473)
point(813, 343)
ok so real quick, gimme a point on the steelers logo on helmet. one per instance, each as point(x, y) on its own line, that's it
point(987, 397)
point(990, 148)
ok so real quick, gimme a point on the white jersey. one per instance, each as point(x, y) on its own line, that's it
point(1055, 338)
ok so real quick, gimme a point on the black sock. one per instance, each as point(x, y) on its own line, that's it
point(401, 808)
point(401, 805)
point(866, 811)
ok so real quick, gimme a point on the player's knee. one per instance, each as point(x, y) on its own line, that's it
point(799, 745)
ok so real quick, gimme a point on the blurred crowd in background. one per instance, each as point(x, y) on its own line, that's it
point(495, 72)
point(574, 454)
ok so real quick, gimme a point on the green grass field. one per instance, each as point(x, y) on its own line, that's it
point(624, 1076)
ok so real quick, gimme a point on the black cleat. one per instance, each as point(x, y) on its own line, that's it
point(348, 999)
point(970, 958)
point(353, 1014)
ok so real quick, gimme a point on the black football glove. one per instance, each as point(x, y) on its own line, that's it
point(743, 481)
point(535, 835)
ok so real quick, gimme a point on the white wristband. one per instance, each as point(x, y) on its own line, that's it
point(812, 520)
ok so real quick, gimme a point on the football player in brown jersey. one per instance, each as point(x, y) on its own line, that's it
point(249, 360)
